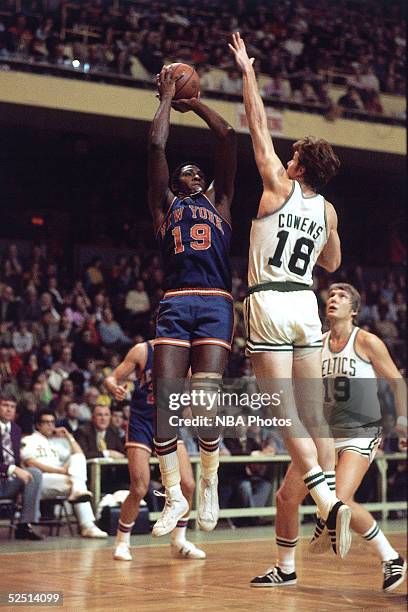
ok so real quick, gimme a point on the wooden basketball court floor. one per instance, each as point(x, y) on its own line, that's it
point(90, 580)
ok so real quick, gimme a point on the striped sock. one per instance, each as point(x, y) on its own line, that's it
point(124, 531)
point(319, 489)
point(210, 456)
point(178, 535)
point(330, 476)
point(377, 540)
point(286, 554)
point(168, 461)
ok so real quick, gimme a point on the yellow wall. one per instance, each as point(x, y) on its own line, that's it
point(124, 102)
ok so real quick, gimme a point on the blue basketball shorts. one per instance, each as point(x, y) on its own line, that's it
point(193, 317)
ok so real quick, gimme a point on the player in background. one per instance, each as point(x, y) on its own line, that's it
point(195, 319)
point(352, 360)
point(139, 445)
point(295, 228)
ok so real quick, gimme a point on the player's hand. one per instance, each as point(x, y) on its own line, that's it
point(166, 82)
point(240, 53)
point(23, 475)
point(119, 392)
point(183, 106)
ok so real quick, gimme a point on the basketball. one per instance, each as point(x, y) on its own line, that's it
point(187, 86)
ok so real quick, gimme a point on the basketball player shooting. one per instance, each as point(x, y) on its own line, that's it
point(195, 318)
point(295, 228)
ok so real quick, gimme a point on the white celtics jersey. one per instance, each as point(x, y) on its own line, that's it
point(350, 385)
point(284, 245)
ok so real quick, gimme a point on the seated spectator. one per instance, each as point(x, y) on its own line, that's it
point(111, 333)
point(351, 99)
point(52, 288)
point(85, 348)
point(26, 409)
point(137, 304)
point(65, 362)
point(13, 478)
point(50, 316)
point(22, 339)
point(71, 422)
point(86, 407)
point(383, 327)
point(9, 308)
point(94, 279)
point(63, 468)
point(98, 438)
point(118, 422)
point(31, 305)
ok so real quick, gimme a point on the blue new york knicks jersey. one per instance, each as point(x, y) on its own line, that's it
point(194, 241)
point(142, 401)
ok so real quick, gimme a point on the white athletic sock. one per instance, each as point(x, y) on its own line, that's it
point(178, 535)
point(123, 532)
point(168, 461)
point(377, 540)
point(209, 456)
point(286, 554)
point(330, 476)
point(319, 489)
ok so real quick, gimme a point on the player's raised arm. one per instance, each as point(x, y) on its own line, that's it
point(269, 165)
point(221, 191)
point(376, 351)
point(330, 256)
point(158, 170)
point(135, 359)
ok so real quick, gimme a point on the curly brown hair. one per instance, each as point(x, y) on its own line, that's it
point(318, 159)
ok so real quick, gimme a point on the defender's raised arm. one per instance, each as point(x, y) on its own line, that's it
point(269, 164)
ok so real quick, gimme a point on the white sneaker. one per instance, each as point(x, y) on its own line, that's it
point(208, 508)
point(122, 552)
point(186, 550)
point(175, 507)
point(93, 532)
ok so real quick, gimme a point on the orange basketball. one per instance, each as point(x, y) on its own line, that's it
point(188, 85)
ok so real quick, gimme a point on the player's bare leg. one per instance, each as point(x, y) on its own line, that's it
point(207, 365)
point(288, 498)
point(139, 472)
point(171, 363)
point(351, 470)
point(274, 374)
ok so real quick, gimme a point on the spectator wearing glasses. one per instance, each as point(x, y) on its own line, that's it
point(63, 468)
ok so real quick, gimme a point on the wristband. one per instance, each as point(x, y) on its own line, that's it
point(402, 421)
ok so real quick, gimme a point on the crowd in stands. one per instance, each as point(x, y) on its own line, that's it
point(299, 44)
point(60, 337)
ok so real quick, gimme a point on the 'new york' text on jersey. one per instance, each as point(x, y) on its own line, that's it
point(194, 242)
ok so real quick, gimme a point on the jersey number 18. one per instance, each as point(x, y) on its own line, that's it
point(299, 259)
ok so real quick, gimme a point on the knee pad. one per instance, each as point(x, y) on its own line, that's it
point(205, 387)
